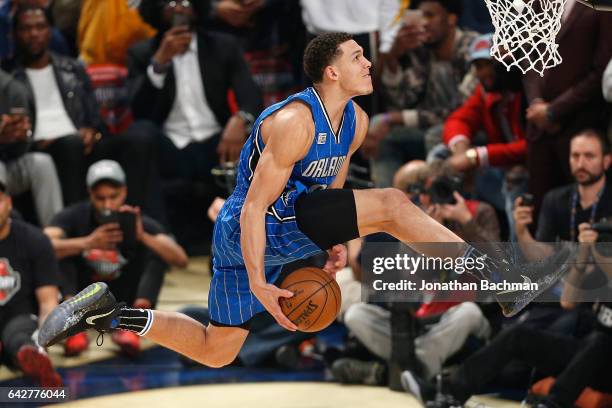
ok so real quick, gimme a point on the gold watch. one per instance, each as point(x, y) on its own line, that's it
point(472, 156)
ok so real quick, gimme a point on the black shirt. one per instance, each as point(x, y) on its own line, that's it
point(555, 215)
point(27, 262)
point(79, 220)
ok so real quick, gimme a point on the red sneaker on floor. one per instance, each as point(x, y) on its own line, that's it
point(76, 344)
point(35, 363)
point(128, 341)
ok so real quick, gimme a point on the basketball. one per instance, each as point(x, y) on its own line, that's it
point(316, 299)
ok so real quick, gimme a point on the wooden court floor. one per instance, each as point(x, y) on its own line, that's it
point(190, 287)
point(270, 395)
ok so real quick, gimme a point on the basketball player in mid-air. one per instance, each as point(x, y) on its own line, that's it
point(288, 204)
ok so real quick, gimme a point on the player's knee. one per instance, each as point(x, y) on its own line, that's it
point(215, 362)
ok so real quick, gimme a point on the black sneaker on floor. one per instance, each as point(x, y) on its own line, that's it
point(545, 274)
point(92, 308)
point(353, 371)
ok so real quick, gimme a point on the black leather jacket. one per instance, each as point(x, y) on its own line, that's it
point(75, 88)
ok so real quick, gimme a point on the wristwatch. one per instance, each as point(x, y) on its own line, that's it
point(472, 156)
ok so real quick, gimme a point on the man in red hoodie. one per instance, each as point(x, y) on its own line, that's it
point(494, 111)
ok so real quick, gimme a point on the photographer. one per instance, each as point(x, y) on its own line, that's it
point(104, 239)
point(568, 214)
point(449, 324)
point(564, 209)
point(473, 220)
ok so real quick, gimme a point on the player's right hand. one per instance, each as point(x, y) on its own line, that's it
point(106, 236)
point(269, 296)
point(175, 42)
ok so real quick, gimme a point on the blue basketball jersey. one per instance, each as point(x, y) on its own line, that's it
point(230, 300)
point(326, 155)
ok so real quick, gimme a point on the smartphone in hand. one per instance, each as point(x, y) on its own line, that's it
point(126, 221)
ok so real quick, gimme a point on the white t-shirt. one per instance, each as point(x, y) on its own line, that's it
point(190, 118)
point(52, 120)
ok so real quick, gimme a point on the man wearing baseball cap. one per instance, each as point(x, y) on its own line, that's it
point(495, 108)
point(103, 239)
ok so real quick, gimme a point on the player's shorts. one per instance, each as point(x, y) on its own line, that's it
point(298, 225)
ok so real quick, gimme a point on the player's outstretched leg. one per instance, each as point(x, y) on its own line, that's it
point(95, 307)
point(390, 211)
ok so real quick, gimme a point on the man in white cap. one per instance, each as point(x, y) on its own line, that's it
point(103, 239)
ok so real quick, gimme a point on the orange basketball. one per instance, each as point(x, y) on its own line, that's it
point(316, 299)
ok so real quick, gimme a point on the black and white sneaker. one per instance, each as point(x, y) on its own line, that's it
point(544, 274)
point(94, 307)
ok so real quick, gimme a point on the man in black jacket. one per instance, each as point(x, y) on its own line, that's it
point(182, 79)
point(25, 170)
point(66, 118)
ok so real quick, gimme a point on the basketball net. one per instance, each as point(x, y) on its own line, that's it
point(525, 33)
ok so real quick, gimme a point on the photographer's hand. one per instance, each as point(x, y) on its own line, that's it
point(523, 216)
point(457, 212)
point(587, 235)
point(435, 212)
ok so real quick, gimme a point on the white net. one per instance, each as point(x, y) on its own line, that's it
point(525, 33)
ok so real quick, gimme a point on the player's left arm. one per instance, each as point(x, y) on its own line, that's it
point(361, 130)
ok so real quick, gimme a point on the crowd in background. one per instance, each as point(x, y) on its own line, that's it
point(121, 121)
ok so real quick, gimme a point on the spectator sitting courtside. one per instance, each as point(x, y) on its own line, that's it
point(103, 239)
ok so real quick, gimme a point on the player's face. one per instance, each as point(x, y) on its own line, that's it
point(353, 69)
point(6, 205)
point(587, 162)
point(106, 196)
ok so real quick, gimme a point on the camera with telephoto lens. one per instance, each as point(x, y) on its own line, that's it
point(442, 189)
point(604, 230)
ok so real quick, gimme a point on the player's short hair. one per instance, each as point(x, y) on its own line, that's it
point(321, 51)
point(596, 134)
point(452, 6)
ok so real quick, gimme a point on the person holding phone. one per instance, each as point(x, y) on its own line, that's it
point(182, 78)
point(26, 170)
point(103, 239)
point(422, 82)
